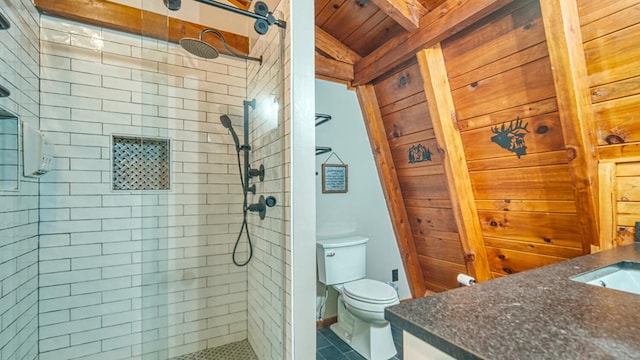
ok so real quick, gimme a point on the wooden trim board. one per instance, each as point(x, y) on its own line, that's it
point(132, 20)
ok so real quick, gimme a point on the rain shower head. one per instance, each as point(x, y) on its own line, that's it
point(226, 122)
point(200, 48)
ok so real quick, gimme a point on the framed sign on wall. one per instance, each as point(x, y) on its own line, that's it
point(335, 178)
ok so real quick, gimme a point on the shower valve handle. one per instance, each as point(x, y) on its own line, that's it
point(257, 172)
point(259, 207)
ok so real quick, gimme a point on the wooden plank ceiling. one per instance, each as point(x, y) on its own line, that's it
point(349, 30)
point(357, 41)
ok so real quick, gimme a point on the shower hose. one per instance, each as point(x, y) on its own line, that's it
point(244, 227)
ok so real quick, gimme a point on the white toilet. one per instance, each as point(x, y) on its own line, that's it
point(361, 303)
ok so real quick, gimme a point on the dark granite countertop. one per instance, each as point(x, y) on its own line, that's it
point(536, 314)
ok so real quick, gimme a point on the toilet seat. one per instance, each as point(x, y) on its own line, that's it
point(371, 292)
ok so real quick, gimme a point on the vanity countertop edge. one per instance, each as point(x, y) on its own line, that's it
point(536, 314)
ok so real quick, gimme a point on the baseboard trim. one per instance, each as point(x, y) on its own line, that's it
point(326, 322)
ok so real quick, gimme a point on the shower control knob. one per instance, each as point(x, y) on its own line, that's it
point(259, 207)
point(270, 201)
point(257, 172)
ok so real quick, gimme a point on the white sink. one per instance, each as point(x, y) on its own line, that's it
point(623, 276)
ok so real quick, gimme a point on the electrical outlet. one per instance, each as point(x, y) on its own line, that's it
point(394, 275)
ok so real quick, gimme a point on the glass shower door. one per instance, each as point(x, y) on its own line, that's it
point(194, 299)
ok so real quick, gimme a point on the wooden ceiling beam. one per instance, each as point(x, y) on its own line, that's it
point(132, 20)
point(437, 25)
point(391, 188)
point(407, 13)
point(564, 40)
point(332, 69)
point(335, 48)
point(442, 110)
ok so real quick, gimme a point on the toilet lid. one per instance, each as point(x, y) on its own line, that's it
point(371, 291)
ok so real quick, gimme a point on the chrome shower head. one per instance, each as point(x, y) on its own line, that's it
point(226, 122)
point(200, 48)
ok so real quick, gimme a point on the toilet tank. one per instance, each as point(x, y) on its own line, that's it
point(341, 260)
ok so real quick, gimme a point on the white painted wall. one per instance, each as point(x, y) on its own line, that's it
point(301, 243)
point(362, 210)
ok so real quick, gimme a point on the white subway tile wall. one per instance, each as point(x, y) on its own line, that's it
point(267, 269)
point(19, 72)
point(137, 274)
point(284, 8)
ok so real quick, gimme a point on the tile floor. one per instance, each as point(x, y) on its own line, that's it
point(240, 350)
point(331, 347)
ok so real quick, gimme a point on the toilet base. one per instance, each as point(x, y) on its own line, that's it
point(344, 326)
point(372, 341)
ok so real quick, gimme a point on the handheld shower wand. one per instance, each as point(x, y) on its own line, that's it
point(226, 122)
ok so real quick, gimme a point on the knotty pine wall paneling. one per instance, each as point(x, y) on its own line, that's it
point(508, 118)
point(611, 41)
point(419, 164)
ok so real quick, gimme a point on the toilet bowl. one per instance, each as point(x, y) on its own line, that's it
point(366, 300)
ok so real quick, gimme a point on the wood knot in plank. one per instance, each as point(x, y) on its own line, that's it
point(403, 80)
point(542, 129)
point(614, 139)
point(572, 154)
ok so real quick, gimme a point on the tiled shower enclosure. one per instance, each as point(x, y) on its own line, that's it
point(123, 250)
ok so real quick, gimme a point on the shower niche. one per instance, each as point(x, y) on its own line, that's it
point(140, 163)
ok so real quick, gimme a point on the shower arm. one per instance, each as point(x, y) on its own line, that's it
point(268, 18)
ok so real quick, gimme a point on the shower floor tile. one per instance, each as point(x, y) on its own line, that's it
point(240, 350)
